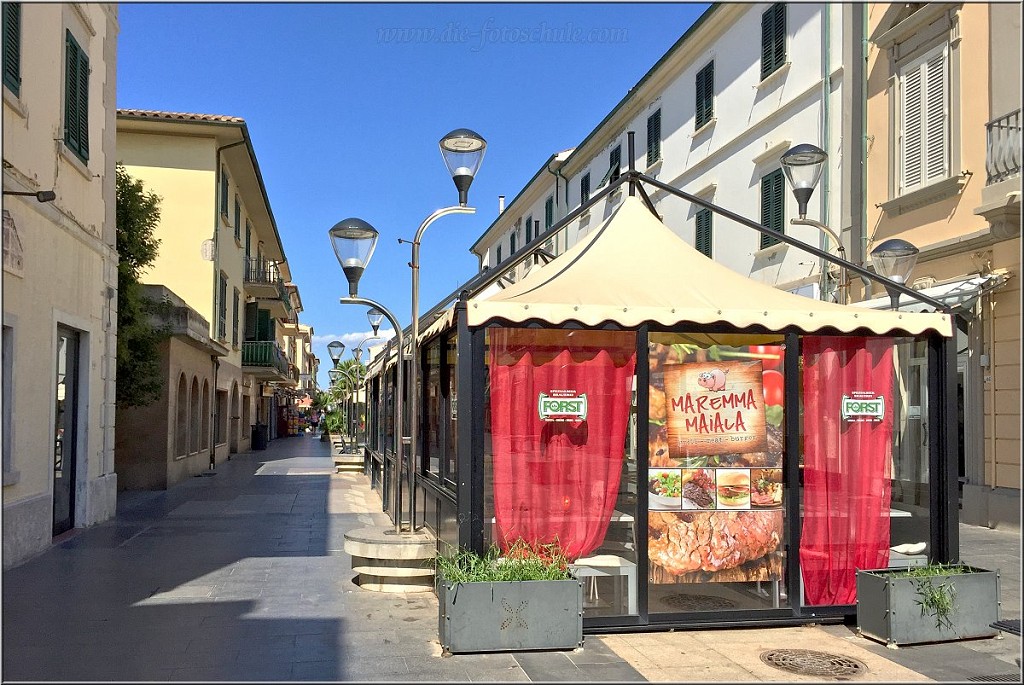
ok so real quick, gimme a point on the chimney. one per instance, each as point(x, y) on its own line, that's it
point(501, 204)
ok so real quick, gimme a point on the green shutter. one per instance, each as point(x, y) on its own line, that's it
point(234, 320)
point(529, 222)
point(654, 138)
point(767, 50)
point(12, 46)
point(76, 98)
point(779, 35)
point(251, 317)
point(529, 231)
point(772, 206)
point(702, 238)
point(585, 187)
point(238, 218)
point(549, 213)
point(498, 257)
point(224, 191)
point(705, 95)
point(248, 242)
point(512, 243)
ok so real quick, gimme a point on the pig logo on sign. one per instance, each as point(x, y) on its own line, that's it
point(713, 380)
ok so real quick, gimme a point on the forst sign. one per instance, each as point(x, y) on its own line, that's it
point(863, 406)
point(562, 406)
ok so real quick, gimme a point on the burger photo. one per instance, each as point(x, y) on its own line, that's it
point(733, 488)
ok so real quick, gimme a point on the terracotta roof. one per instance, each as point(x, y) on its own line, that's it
point(179, 116)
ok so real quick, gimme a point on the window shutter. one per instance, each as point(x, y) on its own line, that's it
point(12, 46)
point(937, 117)
point(529, 232)
point(497, 257)
point(512, 242)
point(83, 105)
point(703, 233)
point(71, 92)
point(772, 206)
point(238, 217)
point(766, 44)
point(585, 188)
point(234, 319)
point(704, 103)
point(779, 35)
point(911, 121)
point(549, 213)
point(529, 223)
point(248, 242)
point(615, 162)
point(251, 315)
point(654, 138)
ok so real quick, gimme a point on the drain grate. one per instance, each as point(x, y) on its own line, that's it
point(1004, 678)
point(685, 602)
point(821, 664)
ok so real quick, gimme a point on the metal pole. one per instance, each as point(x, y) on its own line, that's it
point(844, 276)
point(352, 299)
point(413, 353)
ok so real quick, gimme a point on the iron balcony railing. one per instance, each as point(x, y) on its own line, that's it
point(262, 271)
point(1002, 156)
point(265, 353)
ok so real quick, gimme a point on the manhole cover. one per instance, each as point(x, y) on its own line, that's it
point(821, 664)
point(685, 602)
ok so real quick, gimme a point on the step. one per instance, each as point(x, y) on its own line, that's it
point(386, 561)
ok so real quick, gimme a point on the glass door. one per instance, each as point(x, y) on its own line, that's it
point(65, 430)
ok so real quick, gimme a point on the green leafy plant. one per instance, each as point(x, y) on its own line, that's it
point(935, 599)
point(521, 561)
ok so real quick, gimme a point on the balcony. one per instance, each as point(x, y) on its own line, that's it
point(1000, 198)
point(1002, 153)
point(265, 360)
point(262, 278)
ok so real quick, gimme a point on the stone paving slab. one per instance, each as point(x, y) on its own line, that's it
point(242, 576)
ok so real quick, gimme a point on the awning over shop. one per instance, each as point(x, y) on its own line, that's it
point(959, 294)
point(633, 269)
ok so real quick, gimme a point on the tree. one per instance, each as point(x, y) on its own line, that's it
point(139, 380)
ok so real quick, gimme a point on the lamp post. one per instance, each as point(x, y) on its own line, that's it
point(353, 241)
point(335, 348)
point(895, 259)
point(462, 151)
point(802, 165)
point(357, 353)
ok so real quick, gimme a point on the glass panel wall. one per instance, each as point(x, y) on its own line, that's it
point(715, 480)
point(559, 455)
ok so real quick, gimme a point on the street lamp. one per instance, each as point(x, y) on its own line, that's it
point(803, 165)
point(463, 151)
point(374, 316)
point(335, 349)
point(353, 241)
point(895, 259)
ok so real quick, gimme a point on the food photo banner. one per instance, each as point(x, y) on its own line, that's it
point(715, 408)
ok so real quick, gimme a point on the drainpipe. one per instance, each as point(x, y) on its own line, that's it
point(826, 94)
point(557, 173)
point(860, 256)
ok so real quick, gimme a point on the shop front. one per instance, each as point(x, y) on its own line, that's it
point(708, 450)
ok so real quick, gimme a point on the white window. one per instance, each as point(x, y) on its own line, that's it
point(924, 120)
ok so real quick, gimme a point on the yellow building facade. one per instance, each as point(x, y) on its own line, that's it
point(943, 173)
point(222, 260)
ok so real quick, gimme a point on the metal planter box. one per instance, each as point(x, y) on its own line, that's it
point(888, 608)
point(510, 615)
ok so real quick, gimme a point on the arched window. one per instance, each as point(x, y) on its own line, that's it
point(193, 418)
point(181, 418)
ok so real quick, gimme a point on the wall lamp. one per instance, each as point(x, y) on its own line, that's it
point(41, 196)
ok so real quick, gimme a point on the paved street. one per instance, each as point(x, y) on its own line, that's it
point(241, 576)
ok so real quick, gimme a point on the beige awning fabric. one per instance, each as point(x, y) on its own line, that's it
point(633, 269)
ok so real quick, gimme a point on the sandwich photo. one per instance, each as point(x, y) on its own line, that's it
point(733, 487)
point(766, 487)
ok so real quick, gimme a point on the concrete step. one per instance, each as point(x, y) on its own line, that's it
point(386, 561)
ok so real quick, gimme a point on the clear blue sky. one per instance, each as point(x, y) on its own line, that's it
point(345, 104)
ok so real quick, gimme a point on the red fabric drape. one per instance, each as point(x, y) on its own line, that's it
point(557, 482)
point(846, 494)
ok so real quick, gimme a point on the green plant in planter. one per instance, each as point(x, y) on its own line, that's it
point(937, 600)
point(521, 562)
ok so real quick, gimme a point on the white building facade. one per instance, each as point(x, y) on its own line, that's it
point(60, 272)
point(712, 117)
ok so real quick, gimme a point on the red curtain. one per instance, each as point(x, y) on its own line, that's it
point(557, 482)
point(847, 475)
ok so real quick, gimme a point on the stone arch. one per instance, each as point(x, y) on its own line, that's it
point(204, 436)
point(181, 418)
point(193, 417)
